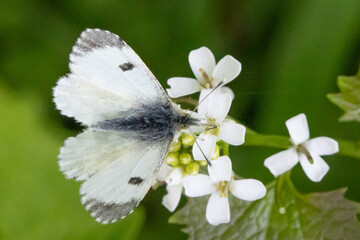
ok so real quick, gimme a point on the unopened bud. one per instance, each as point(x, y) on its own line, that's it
point(187, 140)
point(172, 158)
point(175, 146)
point(193, 168)
point(185, 158)
point(203, 162)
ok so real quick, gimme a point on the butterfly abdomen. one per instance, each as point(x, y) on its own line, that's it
point(153, 122)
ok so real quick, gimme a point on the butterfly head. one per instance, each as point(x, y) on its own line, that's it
point(186, 120)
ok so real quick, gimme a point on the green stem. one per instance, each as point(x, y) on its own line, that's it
point(186, 100)
point(226, 149)
point(254, 139)
point(346, 148)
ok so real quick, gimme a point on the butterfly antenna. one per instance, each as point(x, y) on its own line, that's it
point(216, 87)
point(189, 115)
point(207, 160)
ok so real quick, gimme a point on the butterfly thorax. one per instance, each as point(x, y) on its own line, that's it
point(153, 122)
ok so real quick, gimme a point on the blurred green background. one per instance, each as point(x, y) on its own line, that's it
point(291, 52)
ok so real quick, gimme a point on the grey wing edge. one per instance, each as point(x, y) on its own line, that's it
point(110, 212)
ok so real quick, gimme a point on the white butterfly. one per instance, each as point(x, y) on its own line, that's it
point(130, 121)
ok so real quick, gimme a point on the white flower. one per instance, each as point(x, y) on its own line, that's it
point(214, 109)
point(306, 151)
point(174, 179)
point(218, 184)
point(208, 75)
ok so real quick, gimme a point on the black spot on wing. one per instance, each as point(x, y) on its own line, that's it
point(109, 212)
point(91, 39)
point(135, 180)
point(126, 66)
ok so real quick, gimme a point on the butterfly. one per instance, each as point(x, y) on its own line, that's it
point(131, 123)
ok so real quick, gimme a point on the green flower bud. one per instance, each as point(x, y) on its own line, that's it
point(172, 158)
point(175, 146)
point(187, 140)
point(185, 158)
point(203, 162)
point(193, 168)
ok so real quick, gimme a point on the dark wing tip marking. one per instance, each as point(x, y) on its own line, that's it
point(109, 212)
point(96, 38)
point(135, 180)
point(126, 66)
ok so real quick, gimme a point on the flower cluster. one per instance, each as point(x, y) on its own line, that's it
point(186, 164)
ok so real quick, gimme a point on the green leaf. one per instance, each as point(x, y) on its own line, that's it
point(349, 97)
point(326, 215)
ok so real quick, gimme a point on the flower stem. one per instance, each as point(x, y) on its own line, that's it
point(226, 149)
point(187, 100)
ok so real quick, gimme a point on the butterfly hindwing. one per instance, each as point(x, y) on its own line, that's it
point(91, 151)
point(115, 191)
point(118, 169)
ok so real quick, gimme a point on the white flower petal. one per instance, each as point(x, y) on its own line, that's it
point(220, 104)
point(315, 171)
point(164, 172)
point(298, 128)
point(322, 146)
point(282, 161)
point(232, 133)
point(202, 58)
point(218, 209)
point(228, 68)
point(182, 86)
point(206, 144)
point(175, 177)
point(227, 90)
point(172, 198)
point(199, 185)
point(248, 189)
point(204, 102)
point(221, 169)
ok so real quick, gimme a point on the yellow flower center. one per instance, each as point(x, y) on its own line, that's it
point(207, 79)
point(223, 188)
point(302, 149)
point(213, 127)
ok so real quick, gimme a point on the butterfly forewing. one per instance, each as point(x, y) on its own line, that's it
point(107, 79)
point(105, 59)
point(87, 103)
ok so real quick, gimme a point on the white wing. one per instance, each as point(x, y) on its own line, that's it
point(119, 170)
point(107, 78)
point(91, 151)
point(87, 103)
